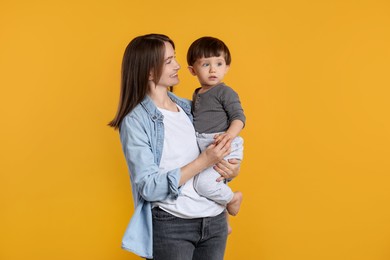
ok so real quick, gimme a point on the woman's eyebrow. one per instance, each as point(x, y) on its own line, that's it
point(170, 57)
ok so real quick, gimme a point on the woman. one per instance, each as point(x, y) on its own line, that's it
point(171, 221)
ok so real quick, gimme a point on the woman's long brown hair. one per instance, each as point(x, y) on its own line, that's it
point(143, 55)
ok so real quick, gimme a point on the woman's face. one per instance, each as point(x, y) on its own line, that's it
point(169, 76)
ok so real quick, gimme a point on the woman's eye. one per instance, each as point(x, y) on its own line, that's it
point(168, 61)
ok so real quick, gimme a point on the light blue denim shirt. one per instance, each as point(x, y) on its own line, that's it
point(142, 138)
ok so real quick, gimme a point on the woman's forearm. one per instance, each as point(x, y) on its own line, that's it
point(212, 155)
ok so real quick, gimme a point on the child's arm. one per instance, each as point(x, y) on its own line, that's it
point(232, 132)
point(232, 105)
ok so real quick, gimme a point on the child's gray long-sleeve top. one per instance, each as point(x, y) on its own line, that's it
point(215, 109)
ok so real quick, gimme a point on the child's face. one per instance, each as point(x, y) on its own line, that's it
point(210, 71)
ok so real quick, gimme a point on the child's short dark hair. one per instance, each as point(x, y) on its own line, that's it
point(206, 47)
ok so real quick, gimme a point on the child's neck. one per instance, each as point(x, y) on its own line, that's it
point(205, 88)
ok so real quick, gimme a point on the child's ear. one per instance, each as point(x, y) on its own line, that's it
point(192, 71)
point(227, 68)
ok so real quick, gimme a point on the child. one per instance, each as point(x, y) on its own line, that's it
point(217, 115)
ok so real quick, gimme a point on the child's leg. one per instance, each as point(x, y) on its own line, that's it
point(205, 182)
point(236, 152)
point(228, 224)
point(206, 185)
point(232, 208)
point(234, 205)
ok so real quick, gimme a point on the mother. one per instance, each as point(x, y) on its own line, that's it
point(171, 221)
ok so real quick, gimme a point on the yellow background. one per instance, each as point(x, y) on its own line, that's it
point(313, 77)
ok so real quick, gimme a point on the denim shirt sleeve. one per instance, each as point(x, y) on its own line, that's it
point(139, 143)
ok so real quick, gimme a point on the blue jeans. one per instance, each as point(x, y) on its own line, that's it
point(188, 239)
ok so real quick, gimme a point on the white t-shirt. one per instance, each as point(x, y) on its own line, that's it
point(180, 148)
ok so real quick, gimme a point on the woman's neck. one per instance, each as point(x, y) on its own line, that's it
point(161, 99)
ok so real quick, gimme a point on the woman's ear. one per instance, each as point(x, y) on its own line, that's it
point(150, 76)
point(192, 71)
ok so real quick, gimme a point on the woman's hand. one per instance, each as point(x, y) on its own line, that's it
point(215, 152)
point(227, 137)
point(228, 169)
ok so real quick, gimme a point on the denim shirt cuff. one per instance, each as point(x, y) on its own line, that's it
point(173, 183)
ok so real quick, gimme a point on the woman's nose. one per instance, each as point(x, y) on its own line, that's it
point(177, 65)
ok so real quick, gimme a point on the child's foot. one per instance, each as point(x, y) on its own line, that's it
point(229, 229)
point(233, 207)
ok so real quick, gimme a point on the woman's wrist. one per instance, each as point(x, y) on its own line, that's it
point(193, 168)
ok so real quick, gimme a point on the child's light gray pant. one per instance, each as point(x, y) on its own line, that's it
point(205, 182)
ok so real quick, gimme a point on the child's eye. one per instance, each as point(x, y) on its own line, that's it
point(220, 64)
point(205, 64)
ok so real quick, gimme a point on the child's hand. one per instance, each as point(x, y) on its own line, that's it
point(225, 137)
